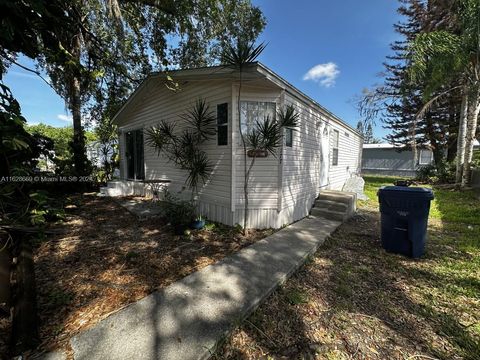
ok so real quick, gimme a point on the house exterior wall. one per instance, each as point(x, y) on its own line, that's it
point(283, 189)
point(389, 161)
point(159, 103)
point(349, 156)
point(263, 182)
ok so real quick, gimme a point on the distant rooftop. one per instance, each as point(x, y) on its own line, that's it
point(390, 146)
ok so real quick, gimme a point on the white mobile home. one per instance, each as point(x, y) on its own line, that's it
point(322, 154)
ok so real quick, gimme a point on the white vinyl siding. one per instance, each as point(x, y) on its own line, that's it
point(282, 188)
point(349, 148)
point(263, 183)
point(301, 163)
point(156, 102)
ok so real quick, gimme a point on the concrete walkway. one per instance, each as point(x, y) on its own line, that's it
point(187, 319)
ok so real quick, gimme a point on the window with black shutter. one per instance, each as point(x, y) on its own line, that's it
point(222, 124)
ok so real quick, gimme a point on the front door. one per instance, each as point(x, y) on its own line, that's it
point(324, 154)
point(134, 154)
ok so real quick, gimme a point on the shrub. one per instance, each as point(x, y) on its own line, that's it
point(425, 174)
point(178, 212)
point(444, 173)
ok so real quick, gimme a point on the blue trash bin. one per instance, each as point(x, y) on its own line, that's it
point(404, 218)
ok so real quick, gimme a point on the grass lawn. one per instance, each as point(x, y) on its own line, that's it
point(354, 300)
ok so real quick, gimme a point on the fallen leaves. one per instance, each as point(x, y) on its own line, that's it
point(103, 258)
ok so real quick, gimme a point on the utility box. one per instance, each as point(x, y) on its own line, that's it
point(404, 218)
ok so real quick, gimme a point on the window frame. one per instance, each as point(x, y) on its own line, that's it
point(245, 126)
point(335, 147)
point(222, 125)
point(420, 157)
point(289, 137)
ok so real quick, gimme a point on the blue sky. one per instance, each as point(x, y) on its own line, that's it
point(330, 50)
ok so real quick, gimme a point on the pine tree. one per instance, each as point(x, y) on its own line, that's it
point(368, 137)
point(398, 101)
point(360, 128)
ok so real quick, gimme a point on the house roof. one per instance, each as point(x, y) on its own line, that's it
point(379, 146)
point(255, 70)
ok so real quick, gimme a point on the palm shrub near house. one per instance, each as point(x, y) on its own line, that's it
point(267, 136)
point(264, 136)
point(183, 149)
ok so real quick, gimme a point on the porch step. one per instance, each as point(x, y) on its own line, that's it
point(110, 191)
point(335, 205)
point(337, 196)
point(331, 205)
point(329, 214)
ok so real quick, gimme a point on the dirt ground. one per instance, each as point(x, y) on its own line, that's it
point(352, 300)
point(103, 258)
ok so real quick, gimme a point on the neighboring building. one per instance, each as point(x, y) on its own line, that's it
point(321, 154)
point(386, 159)
point(99, 153)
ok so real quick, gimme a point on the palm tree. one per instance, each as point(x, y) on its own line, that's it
point(238, 56)
point(183, 149)
point(441, 57)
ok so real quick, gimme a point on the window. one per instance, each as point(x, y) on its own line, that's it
point(222, 124)
point(252, 112)
point(425, 157)
point(134, 155)
point(336, 136)
point(289, 137)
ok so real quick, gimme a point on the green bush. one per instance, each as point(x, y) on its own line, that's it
point(444, 173)
point(425, 174)
point(178, 212)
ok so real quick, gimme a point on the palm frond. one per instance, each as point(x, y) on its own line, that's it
point(201, 120)
point(436, 58)
point(288, 117)
point(161, 135)
point(199, 168)
point(236, 56)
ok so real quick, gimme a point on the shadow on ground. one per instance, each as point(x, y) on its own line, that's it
point(355, 300)
point(103, 258)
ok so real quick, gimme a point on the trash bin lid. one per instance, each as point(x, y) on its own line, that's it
point(417, 192)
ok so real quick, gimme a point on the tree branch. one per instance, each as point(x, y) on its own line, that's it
point(36, 73)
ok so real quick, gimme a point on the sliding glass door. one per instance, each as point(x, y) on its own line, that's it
point(134, 155)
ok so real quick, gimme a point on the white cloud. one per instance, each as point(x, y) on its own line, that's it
point(324, 74)
point(64, 117)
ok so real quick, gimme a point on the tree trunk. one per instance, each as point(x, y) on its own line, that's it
point(75, 93)
point(472, 120)
point(438, 153)
point(5, 265)
point(452, 128)
point(246, 177)
point(462, 125)
point(24, 321)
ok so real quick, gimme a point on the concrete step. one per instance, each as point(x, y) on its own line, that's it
point(331, 205)
point(109, 191)
point(113, 184)
point(337, 196)
point(329, 214)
